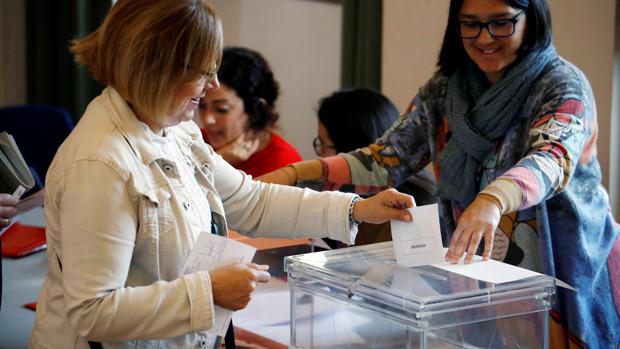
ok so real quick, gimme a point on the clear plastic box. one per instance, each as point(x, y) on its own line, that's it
point(359, 297)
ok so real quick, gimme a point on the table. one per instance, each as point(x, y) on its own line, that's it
point(22, 280)
point(265, 322)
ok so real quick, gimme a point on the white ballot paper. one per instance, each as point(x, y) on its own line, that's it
point(212, 251)
point(489, 271)
point(418, 242)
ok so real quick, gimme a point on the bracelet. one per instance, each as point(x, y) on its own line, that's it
point(352, 222)
point(288, 175)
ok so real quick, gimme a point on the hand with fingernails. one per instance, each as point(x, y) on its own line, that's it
point(7, 209)
point(384, 206)
point(233, 284)
point(478, 221)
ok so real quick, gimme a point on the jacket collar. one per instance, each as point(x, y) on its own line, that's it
point(133, 130)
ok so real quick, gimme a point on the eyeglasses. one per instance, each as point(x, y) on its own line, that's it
point(498, 28)
point(205, 76)
point(319, 146)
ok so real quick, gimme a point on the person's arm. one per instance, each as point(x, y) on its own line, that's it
point(99, 224)
point(7, 210)
point(562, 130)
point(11, 207)
point(260, 209)
point(400, 152)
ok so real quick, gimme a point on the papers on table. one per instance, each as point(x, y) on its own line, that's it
point(418, 242)
point(213, 251)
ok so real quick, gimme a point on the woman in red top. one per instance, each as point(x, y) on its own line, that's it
point(238, 119)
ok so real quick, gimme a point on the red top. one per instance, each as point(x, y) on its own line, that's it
point(277, 154)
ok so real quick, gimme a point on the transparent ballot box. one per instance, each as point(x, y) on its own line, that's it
point(359, 297)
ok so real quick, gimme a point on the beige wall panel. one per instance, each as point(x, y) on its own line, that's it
point(12, 53)
point(301, 41)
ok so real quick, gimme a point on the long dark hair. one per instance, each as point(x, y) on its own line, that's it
point(248, 73)
point(356, 117)
point(453, 57)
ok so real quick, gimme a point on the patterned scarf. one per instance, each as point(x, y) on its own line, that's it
point(478, 118)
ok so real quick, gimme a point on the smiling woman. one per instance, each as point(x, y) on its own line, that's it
point(510, 128)
point(134, 186)
point(239, 119)
point(495, 48)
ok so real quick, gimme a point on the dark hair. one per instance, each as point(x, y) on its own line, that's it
point(453, 57)
point(356, 117)
point(248, 73)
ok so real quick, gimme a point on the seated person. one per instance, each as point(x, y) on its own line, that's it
point(353, 118)
point(238, 119)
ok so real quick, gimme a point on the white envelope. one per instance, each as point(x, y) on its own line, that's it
point(418, 242)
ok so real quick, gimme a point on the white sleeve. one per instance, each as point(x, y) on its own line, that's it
point(270, 210)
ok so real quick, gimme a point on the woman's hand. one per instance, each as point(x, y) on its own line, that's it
point(7, 209)
point(386, 205)
point(479, 220)
point(232, 285)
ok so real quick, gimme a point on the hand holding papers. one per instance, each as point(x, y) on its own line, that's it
point(15, 177)
point(213, 251)
point(418, 242)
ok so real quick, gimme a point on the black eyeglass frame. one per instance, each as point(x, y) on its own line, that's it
point(318, 145)
point(487, 26)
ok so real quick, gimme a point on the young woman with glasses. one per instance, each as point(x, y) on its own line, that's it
point(510, 128)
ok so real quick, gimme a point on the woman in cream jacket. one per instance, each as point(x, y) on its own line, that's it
point(134, 185)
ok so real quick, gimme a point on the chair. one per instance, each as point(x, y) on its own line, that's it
point(38, 131)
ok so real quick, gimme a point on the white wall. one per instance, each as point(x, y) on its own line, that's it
point(301, 40)
point(12, 56)
point(412, 35)
point(583, 33)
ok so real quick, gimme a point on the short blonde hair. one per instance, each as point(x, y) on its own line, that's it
point(146, 48)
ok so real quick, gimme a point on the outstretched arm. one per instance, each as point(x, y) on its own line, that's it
point(561, 136)
point(402, 151)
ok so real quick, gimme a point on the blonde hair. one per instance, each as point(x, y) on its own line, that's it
point(146, 48)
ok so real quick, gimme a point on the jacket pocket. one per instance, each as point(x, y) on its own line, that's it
point(155, 217)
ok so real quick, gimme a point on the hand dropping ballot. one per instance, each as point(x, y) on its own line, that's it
point(419, 243)
point(212, 251)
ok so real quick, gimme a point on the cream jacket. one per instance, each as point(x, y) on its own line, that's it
point(118, 241)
